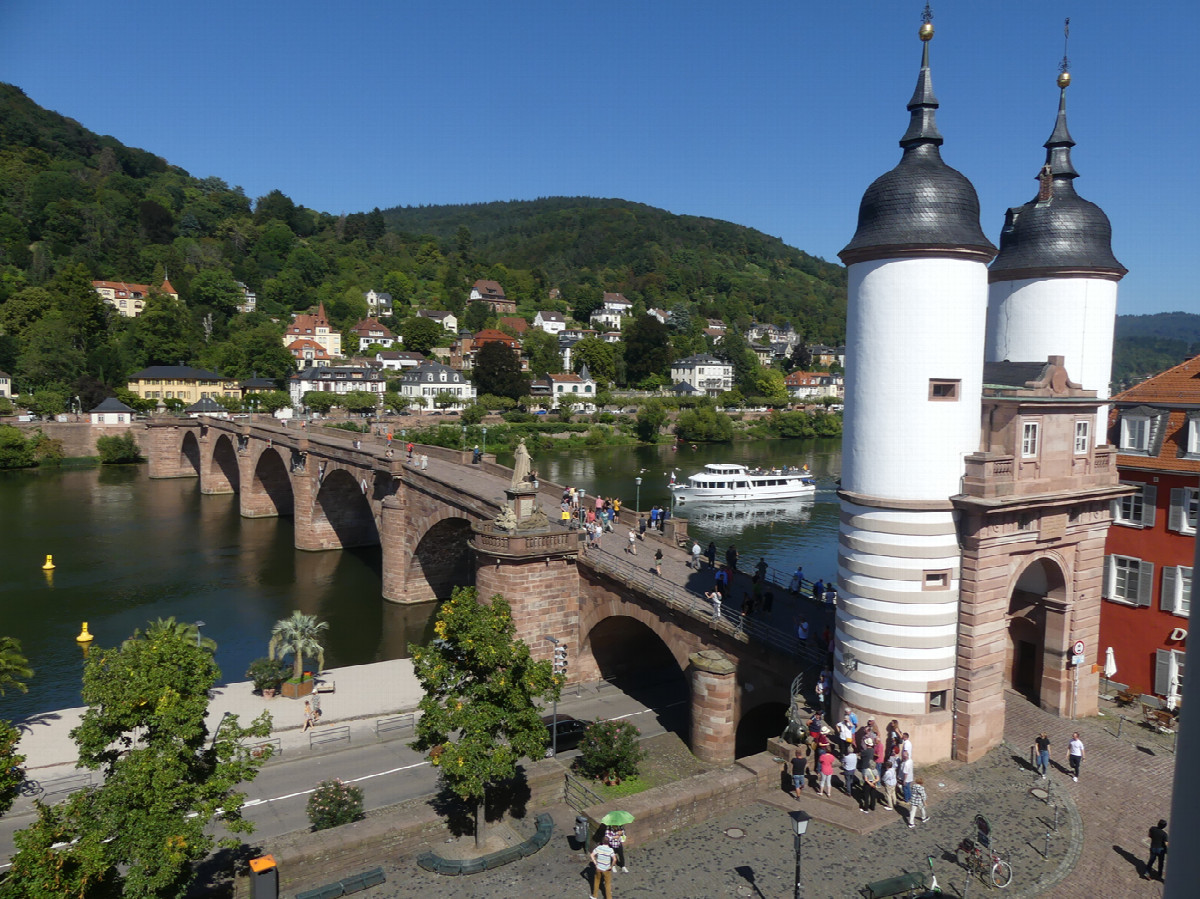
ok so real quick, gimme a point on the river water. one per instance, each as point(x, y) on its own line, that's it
point(129, 549)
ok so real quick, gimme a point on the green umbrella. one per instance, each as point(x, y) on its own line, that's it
point(617, 819)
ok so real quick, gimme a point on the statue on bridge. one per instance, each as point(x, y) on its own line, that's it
point(521, 466)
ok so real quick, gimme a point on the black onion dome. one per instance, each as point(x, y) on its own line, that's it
point(1058, 233)
point(922, 207)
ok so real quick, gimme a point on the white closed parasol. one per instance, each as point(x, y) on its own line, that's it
point(1110, 666)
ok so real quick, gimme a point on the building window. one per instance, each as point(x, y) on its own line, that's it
point(1082, 437)
point(1185, 502)
point(1176, 596)
point(937, 701)
point(1128, 580)
point(1137, 509)
point(1029, 440)
point(1168, 673)
point(1135, 434)
point(937, 580)
point(943, 389)
point(1193, 435)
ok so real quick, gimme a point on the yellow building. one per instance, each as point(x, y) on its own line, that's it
point(181, 382)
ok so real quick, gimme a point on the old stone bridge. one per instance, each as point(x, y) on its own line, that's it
point(433, 524)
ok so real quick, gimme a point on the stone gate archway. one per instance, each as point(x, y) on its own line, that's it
point(632, 656)
point(1038, 625)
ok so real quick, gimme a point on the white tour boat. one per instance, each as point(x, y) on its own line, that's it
point(721, 482)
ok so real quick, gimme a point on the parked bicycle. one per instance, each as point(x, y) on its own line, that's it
point(986, 863)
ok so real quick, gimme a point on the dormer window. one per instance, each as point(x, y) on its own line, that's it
point(1135, 434)
point(1141, 430)
point(1192, 440)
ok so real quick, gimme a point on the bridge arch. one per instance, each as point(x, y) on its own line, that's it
point(189, 453)
point(442, 559)
point(268, 491)
point(342, 514)
point(221, 475)
point(758, 723)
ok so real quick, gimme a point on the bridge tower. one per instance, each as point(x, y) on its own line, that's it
point(915, 333)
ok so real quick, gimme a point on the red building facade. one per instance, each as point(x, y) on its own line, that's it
point(1151, 545)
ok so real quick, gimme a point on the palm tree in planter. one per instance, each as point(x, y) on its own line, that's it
point(299, 635)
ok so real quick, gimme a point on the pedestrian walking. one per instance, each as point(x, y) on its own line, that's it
point(696, 556)
point(632, 547)
point(870, 790)
point(1041, 746)
point(825, 766)
point(731, 557)
point(1075, 752)
point(714, 596)
point(309, 718)
point(1158, 849)
point(802, 630)
point(850, 770)
point(819, 590)
point(642, 527)
point(424, 462)
point(917, 803)
point(615, 837)
point(799, 764)
point(888, 779)
point(711, 552)
point(603, 859)
point(906, 777)
point(722, 579)
point(797, 581)
point(658, 561)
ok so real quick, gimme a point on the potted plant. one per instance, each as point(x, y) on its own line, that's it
point(267, 675)
point(298, 636)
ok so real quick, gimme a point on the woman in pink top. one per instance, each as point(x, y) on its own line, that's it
point(825, 765)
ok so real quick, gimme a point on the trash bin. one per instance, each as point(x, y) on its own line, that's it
point(264, 878)
point(581, 830)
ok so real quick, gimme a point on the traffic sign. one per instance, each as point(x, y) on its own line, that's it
point(1078, 648)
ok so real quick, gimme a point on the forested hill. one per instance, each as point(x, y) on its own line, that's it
point(1149, 344)
point(584, 245)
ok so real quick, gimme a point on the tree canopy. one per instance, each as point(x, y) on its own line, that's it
point(498, 372)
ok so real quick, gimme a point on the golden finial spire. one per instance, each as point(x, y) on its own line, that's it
point(1064, 67)
point(926, 32)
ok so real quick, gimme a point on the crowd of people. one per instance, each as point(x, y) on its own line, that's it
point(875, 768)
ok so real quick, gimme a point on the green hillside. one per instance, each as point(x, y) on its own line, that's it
point(1147, 345)
point(76, 206)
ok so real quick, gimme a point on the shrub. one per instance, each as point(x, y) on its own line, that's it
point(268, 674)
point(610, 751)
point(117, 449)
point(334, 803)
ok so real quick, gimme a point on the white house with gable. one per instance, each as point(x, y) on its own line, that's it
point(429, 379)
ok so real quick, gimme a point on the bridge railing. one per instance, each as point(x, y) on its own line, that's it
point(698, 606)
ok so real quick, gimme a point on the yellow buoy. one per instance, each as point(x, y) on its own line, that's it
point(49, 566)
point(84, 636)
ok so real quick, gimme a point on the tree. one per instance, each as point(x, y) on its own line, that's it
point(598, 356)
point(217, 289)
point(477, 315)
point(14, 667)
point(443, 399)
point(164, 334)
point(479, 712)
point(650, 419)
point(395, 401)
point(647, 349)
point(320, 401)
point(271, 401)
point(362, 401)
point(49, 355)
point(12, 772)
point(298, 636)
point(473, 414)
point(165, 779)
point(542, 350)
point(421, 334)
point(116, 449)
point(498, 371)
point(15, 450)
point(161, 628)
point(705, 424)
point(769, 384)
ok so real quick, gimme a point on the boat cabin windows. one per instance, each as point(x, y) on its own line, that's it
point(944, 390)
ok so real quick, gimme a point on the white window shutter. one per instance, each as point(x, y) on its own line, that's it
point(1170, 589)
point(1145, 583)
point(1185, 591)
point(1108, 572)
point(1175, 520)
point(1149, 498)
point(1162, 671)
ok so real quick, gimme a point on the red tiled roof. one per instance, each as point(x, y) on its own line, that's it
point(515, 322)
point(1175, 388)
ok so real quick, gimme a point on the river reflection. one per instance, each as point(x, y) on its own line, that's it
point(129, 549)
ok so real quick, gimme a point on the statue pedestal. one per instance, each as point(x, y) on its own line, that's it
point(522, 498)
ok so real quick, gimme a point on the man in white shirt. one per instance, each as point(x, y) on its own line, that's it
point(906, 746)
point(906, 776)
point(1075, 756)
point(603, 857)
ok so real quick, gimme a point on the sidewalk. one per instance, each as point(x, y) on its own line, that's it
point(361, 694)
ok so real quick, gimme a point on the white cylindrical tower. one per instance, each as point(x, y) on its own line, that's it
point(914, 353)
point(1053, 285)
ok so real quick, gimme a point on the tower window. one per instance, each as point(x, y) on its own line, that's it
point(1082, 437)
point(937, 580)
point(1029, 440)
point(943, 390)
point(937, 701)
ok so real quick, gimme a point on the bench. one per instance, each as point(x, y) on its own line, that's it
point(394, 722)
point(346, 885)
point(1159, 719)
point(894, 886)
point(325, 686)
point(321, 735)
point(1124, 697)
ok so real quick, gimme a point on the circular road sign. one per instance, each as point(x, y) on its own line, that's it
point(1078, 647)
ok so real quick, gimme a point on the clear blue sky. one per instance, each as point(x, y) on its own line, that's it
point(769, 114)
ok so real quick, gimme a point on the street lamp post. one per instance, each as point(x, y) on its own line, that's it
point(463, 445)
point(799, 826)
point(199, 624)
point(638, 502)
point(485, 440)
